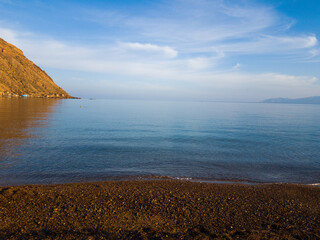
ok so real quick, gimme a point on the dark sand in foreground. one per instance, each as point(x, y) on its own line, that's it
point(162, 209)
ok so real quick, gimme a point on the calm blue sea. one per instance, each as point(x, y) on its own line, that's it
point(55, 141)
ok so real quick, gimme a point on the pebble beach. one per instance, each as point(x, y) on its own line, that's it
point(160, 209)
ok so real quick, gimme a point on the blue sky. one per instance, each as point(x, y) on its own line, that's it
point(212, 50)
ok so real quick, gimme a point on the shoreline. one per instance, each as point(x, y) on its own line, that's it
point(159, 209)
point(94, 179)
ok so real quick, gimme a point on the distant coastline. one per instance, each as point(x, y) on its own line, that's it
point(306, 100)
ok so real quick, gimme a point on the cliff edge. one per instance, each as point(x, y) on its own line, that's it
point(21, 77)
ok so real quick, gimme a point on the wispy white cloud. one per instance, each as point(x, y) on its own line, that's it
point(237, 66)
point(270, 44)
point(198, 63)
point(147, 47)
point(202, 27)
point(189, 22)
point(315, 52)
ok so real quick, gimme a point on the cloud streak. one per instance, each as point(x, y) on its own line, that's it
point(147, 47)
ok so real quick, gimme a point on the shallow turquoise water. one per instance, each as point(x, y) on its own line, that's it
point(56, 141)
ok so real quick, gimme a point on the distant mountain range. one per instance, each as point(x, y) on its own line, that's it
point(21, 77)
point(307, 100)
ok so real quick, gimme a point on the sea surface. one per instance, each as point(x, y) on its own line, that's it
point(44, 141)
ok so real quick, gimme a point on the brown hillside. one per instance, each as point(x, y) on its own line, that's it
point(19, 76)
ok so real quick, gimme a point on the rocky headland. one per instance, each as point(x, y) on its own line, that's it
point(21, 77)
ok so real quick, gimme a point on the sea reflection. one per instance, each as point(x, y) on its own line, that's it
point(19, 121)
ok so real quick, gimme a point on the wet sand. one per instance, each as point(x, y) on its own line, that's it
point(160, 209)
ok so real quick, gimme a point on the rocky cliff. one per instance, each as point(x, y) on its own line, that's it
point(19, 76)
